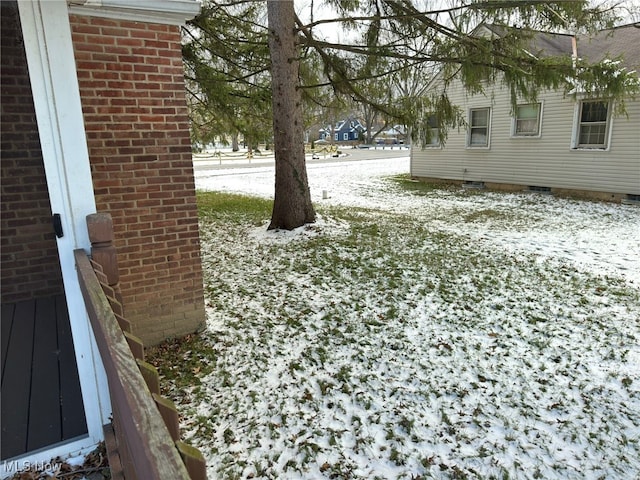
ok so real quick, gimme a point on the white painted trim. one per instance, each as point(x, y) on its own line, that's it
point(468, 140)
point(70, 451)
point(169, 12)
point(514, 135)
point(575, 132)
point(56, 96)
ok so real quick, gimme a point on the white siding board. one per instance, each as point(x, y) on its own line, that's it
point(547, 160)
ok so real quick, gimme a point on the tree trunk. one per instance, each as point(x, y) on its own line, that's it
point(292, 206)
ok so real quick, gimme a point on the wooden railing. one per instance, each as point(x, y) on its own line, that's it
point(145, 424)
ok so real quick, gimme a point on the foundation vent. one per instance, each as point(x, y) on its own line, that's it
point(473, 185)
point(631, 199)
point(538, 189)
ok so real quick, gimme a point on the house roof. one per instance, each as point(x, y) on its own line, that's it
point(350, 124)
point(551, 44)
point(619, 41)
point(615, 42)
point(395, 130)
point(540, 44)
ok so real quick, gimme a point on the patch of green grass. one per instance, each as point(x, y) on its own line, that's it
point(406, 182)
point(231, 205)
point(486, 214)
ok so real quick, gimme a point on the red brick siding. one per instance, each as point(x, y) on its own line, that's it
point(29, 262)
point(133, 100)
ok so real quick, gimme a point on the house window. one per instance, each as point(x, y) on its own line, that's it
point(336, 136)
point(527, 120)
point(593, 124)
point(345, 136)
point(479, 127)
point(355, 135)
point(433, 132)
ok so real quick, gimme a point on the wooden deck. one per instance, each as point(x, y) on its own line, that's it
point(41, 402)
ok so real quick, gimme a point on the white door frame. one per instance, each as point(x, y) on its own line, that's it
point(56, 95)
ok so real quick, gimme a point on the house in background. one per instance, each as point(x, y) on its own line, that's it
point(94, 118)
point(345, 131)
point(566, 144)
point(394, 135)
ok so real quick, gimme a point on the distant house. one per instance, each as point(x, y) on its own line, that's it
point(394, 135)
point(93, 118)
point(349, 130)
point(561, 143)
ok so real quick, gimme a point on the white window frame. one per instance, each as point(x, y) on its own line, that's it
point(336, 136)
point(345, 136)
point(434, 135)
point(514, 122)
point(578, 123)
point(487, 144)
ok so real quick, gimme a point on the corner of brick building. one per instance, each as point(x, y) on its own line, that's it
point(135, 113)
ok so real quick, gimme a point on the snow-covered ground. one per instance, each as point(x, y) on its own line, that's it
point(419, 334)
point(599, 237)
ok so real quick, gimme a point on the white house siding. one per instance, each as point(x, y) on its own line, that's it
point(545, 161)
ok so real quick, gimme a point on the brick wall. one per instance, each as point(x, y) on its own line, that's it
point(133, 100)
point(29, 262)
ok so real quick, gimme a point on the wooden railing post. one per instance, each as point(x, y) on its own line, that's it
point(146, 447)
point(112, 331)
point(193, 460)
point(104, 253)
point(100, 228)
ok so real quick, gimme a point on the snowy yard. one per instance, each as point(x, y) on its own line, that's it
point(413, 333)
